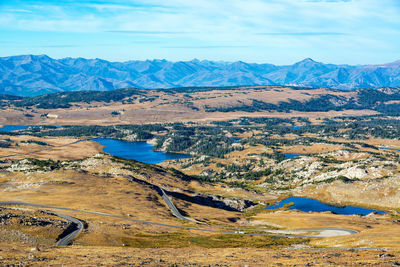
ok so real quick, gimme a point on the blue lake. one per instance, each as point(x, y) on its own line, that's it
point(291, 156)
point(309, 204)
point(140, 151)
point(11, 128)
point(295, 127)
point(392, 149)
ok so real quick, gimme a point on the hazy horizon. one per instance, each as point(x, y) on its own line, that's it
point(194, 59)
point(353, 32)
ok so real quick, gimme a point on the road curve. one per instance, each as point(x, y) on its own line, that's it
point(172, 207)
point(68, 238)
point(165, 225)
point(40, 150)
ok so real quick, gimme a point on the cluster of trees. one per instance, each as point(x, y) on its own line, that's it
point(40, 143)
point(364, 99)
point(79, 131)
point(45, 165)
point(245, 171)
point(142, 132)
point(65, 99)
point(5, 143)
point(201, 140)
point(10, 97)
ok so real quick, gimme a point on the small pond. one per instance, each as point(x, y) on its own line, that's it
point(291, 155)
point(309, 204)
point(392, 149)
point(140, 151)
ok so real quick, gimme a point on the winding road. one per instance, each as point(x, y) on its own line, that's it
point(68, 238)
point(337, 230)
point(172, 207)
point(324, 232)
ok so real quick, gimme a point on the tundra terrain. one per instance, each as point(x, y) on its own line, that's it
point(250, 147)
point(137, 106)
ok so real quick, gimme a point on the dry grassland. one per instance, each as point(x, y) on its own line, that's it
point(311, 149)
point(374, 231)
point(99, 184)
point(51, 150)
point(177, 107)
point(111, 256)
point(114, 195)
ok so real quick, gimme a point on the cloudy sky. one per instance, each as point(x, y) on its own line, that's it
point(273, 31)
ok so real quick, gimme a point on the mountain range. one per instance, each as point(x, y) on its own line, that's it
point(30, 75)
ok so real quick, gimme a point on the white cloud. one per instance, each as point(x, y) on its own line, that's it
point(206, 16)
point(267, 24)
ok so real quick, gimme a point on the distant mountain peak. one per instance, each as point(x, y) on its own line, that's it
point(306, 61)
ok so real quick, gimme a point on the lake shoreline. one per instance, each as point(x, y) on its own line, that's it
point(141, 151)
point(307, 204)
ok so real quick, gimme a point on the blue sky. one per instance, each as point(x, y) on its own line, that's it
point(273, 31)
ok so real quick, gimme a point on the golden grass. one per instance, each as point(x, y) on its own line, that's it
point(13, 228)
point(86, 192)
point(114, 194)
point(109, 256)
point(70, 152)
point(311, 149)
point(174, 108)
point(375, 231)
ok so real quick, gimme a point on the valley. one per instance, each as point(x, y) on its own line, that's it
point(199, 133)
point(208, 182)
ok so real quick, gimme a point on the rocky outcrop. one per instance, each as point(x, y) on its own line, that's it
point(22, 165)
point(10, 218)
point(130, 138)
point(231, 204)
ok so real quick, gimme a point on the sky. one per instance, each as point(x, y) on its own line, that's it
point(262, 31)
